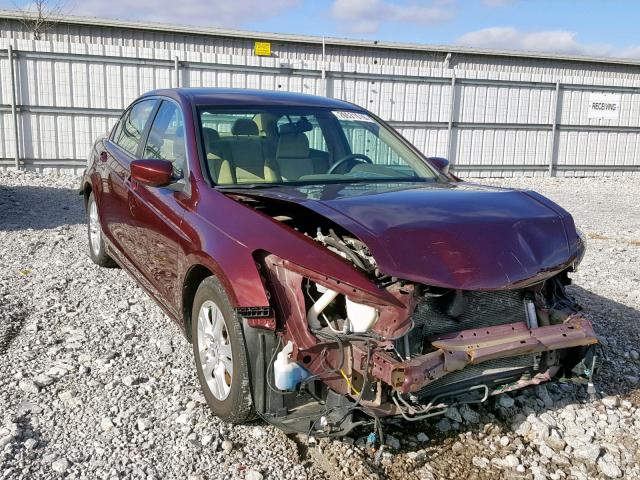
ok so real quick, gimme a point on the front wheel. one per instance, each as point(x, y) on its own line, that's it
point(220, 354)
point(97, 249)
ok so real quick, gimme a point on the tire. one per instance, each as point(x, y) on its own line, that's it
point(216, 334)
point(97, 249)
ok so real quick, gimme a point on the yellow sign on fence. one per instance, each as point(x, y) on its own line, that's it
point(263, 49)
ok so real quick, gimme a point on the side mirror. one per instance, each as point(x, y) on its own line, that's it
point(440, 163)
point(153, 173)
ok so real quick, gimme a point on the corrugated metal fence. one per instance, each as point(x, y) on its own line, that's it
point(60, 96)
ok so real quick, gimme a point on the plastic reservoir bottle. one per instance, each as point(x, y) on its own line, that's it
point(288, 374)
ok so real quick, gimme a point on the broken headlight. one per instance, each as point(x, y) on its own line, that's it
point(338, 311)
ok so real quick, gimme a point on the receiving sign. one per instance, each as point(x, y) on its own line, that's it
point(604, 105)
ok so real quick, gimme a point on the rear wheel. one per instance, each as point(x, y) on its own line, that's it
point(97, 249)
point(220, 353)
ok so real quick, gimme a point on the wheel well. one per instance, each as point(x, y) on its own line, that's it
point(194, 278)
point(86, 191)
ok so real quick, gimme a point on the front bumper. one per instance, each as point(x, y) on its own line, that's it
point(470, 347)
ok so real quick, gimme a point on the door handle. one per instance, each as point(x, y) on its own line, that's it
point(131, 182)
point(103, 156)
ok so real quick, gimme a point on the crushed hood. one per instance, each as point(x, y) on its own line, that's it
point(457, 235)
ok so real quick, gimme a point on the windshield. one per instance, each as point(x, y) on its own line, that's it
point(265, 146)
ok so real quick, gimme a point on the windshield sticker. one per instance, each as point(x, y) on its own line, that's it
point(353, 116)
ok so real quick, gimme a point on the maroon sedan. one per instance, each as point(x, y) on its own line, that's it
point(325, 271)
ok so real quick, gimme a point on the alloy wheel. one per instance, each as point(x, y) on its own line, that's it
point(214, 350)
point(95, 232)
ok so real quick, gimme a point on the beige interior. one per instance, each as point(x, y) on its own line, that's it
point(242, 157)
point(292, 157)
point(246, 157)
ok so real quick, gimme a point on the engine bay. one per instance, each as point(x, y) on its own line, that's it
point(401, 348)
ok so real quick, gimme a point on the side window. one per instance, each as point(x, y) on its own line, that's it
point(118, 128)
point(129, 130)
point(166, 137)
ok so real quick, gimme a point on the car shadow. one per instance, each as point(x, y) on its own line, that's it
point(617, 327)
point(39, 208)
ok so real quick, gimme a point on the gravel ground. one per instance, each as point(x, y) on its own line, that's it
point(96, 382)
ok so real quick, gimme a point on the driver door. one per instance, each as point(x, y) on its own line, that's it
point(157, 212)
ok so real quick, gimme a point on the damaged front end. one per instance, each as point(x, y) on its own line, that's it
point(400, 347)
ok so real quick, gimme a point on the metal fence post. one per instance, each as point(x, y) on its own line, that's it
point(452, 108)
point(14, 109)
point(553, 152)
point(324, 68)
point(176, 72)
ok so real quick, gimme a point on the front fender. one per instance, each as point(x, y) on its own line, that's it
point(250, 292)
point(229, 236)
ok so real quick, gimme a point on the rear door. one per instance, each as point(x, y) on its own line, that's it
point(156, 212)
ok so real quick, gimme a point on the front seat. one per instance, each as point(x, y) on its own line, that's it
point(218, 157)
point(292, 157)
point(249, 153)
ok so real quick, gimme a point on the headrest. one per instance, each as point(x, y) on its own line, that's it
point(210, 135)
point(293, 145)
point(244, 126)
point(302, 125)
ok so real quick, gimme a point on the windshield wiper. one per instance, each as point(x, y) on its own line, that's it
point(340, 181)
point(388, 180)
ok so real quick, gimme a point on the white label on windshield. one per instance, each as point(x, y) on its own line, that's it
point(353, 116)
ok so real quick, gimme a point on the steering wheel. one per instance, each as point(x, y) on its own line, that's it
point(353, 158)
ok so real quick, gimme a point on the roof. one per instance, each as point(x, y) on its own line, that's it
point(248, 97)
point(311, 39)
